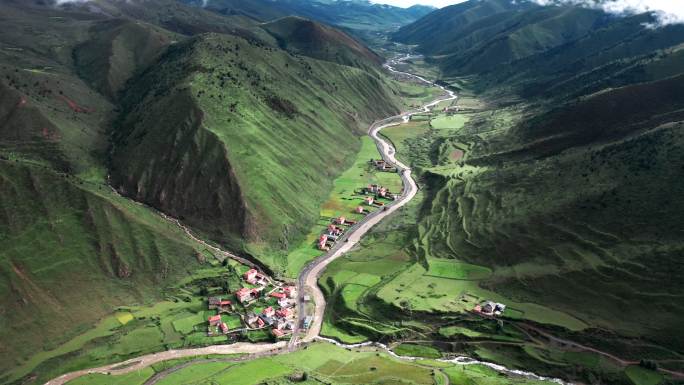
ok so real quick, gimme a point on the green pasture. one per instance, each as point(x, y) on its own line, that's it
point(342, 201)
point(417, 290)
point(449, 122)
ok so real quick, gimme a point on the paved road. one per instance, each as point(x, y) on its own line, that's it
point(308, 278)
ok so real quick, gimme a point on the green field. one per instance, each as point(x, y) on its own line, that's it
point(452, 123)
point(642, 376)
point(456, 270)
point(179, 321)
point(413, 350)
point(342, 201)
point(135, 378)
point(319, 363)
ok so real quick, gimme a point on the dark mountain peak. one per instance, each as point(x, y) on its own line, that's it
point(319, 41)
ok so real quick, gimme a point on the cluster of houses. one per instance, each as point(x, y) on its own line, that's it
point(490, 308)
point(281, 320)
point(379, 192)
point(381, 165)
point(333, 232)
point(373, 193)
point(216, 326)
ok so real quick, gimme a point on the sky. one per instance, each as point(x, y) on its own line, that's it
point(667, 11)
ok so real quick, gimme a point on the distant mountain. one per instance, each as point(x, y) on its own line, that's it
point(352, 14)
point(319, 41)
point(527, 45)
point(580, 161)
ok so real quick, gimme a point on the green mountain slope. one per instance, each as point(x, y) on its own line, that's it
point(321, 42)
point(568, 183)
point(246, 140)
point(70, 255)
point(248, 151)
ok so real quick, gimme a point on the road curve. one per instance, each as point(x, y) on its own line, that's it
point(307, 281)
point(308, 278)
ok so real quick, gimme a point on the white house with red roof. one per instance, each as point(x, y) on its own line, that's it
point(268, 312)
point(291, 291)
point(246, 294)
point(251, 276)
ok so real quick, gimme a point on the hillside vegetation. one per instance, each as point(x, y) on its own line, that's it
point(209, 119)
point(558, 193)
point(255, 137)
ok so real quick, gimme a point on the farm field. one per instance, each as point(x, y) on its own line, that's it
point(318, 363)
point(177, 322)
point(342, 201)
point(419, 290)
point(449, 122)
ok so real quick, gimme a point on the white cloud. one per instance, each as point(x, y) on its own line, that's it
point(665, 11)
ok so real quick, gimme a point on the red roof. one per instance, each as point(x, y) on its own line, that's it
point(260, 322)
point(214, 318)
point(278, 295)
point(323, 238)
point(277, 332)
point(224, 303)
point(283, 312)
point(224, 327)
point(268, 311)
point(288, 289)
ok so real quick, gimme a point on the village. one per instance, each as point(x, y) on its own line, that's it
point(374, 196)
point(262, 304)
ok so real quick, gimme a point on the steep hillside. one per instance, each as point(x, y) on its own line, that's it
point(565, 187)
point(70, 254)
point(233, 135)
point(116, 50)
point(321, 42)
point(70, 250)
point(216, 163)
point(532, 48)
point(587, 193)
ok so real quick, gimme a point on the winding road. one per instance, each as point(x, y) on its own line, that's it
point(308, 278)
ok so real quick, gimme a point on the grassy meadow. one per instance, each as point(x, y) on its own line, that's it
point(319, 363)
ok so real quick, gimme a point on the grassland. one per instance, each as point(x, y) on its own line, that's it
point(318, 363)
point(435, 293)
point(342, 201)
point(178, 321)
point(642, 376)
